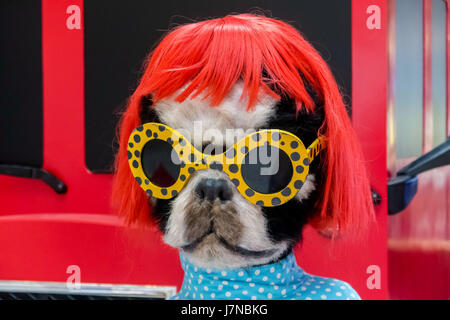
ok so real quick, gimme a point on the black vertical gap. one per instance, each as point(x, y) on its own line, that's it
point(21, 113)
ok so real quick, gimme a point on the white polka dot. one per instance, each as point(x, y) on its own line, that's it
point(249, 279)
point(257, 272)
point(241, 273)
point(327, 289)
point(225, 282)
point(213, 295)
point(236, 286)
point(237, 299)
point(245, 292)
point(201, 295)
point(317, 287)
point(205, 288)
point(284, 265)
point(352, 295)
point(265, 278)
point(195, 269)
point(251, 284)
point(338, 294)
point(294, 287)
point(321, 281)
point(261, 290)
point(275, 287)
point(200, 276)
point(199, 281)
point(187, 293)
point(190, 281)
point(254, 298)
point(303, 288)
point(272, 270)
point(208, 270)
point(323, 296)
point(283, 291)
point(332, 284)
point(269, 296)
point(308, 298)
point(314, 292)
point(220, 287)
point(308, 283)
point(193, 295)
point(279, 275)
point(283, 280)
point(216, 278)
point(224, 273)
point(343, 287)
point(228, 294)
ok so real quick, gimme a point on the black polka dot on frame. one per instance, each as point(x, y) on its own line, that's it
point(276, 201)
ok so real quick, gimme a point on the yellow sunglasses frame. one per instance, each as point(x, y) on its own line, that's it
point(229, 161)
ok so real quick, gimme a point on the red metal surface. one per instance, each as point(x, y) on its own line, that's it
point(370, 67)
point(41, 246)
point(41, 233)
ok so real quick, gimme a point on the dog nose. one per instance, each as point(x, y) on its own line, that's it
point(212, 189)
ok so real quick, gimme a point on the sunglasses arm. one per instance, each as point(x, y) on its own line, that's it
point(315, 148)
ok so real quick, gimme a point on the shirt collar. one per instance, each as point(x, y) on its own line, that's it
point(259, 282)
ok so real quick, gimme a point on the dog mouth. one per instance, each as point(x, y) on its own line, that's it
point(234, 248)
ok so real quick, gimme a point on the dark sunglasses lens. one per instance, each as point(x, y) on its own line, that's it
point(267, 169)
point(160, 164)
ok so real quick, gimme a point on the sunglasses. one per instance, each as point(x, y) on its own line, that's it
point(268, 167)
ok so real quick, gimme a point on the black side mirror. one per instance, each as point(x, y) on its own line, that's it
point(403, 188)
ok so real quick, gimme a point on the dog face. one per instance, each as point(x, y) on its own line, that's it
point(209, 220)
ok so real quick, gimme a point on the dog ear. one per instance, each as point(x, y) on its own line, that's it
point(147, 113)
point(128, 198)
point(345, 201)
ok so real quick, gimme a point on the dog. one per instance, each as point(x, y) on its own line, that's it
point(217, 81)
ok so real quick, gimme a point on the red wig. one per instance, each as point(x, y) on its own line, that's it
point(209, 57)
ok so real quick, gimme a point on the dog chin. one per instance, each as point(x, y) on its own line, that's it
point(212, 253)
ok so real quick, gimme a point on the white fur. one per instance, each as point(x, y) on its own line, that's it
point(230, 114)
point(306, 189)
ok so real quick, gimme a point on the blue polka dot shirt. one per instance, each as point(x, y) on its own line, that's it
point(283, 280)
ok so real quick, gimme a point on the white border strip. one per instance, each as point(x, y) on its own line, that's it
point(98, 289)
